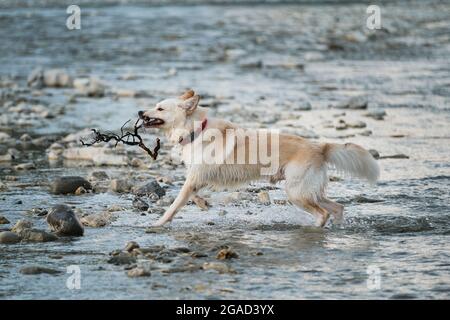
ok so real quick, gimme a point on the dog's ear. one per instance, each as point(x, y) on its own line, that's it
point(188, 94)
point(189, 105)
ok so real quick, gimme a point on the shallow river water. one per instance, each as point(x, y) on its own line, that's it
point(256, 65)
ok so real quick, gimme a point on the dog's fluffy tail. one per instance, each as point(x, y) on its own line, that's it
point(352, 159)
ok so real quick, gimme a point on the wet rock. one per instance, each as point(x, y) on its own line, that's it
point(167, 201)
point(355, 103)
point(362, 199)
point(6, 158)
point(131, 246)
point(305, 106)
point(356, 124)
point(22, 224)
point(122, 258)
point(376, 114)
point(137, 163)
point(115, 207)
point(91, 87)
point(39, 212)
point(395, 156)
point(98, 176)
point(157, 230)
point(138, 272)
point(149, 189)
point(3, 187)
point(39, 78)
point(198, 255)
point(251, 63)
point(25, 166)
point(25, 137)
point(226, 253)
point(36, 235)
point(140, 204)
point(120, 185)
point(69, 184)
point(8, 237)
point(4, 137)
point(148, 250)
point(3, 220)
point(375, 154)
point(97, 220)
point(217, 266)
point(263, 197)
point(32, 270)
point(80, 191)
point(64, 222)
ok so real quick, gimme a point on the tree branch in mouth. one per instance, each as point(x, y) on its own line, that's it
point(126, 137)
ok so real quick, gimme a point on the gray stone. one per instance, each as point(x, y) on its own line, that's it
point(140, 204)
point(150, 188)
point(120, 185)
point(8, 237)
point(138, 272)
point(69, 184)
point(32, 270)
point(64, 222)
point(3, 220)
point(35, 235)
point(359, 102)
point(122, 259)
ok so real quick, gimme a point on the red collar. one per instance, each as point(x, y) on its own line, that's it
point(194, 134)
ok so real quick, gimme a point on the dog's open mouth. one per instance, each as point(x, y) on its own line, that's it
point(152, 122)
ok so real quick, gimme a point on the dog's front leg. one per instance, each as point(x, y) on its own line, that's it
point(185, 193)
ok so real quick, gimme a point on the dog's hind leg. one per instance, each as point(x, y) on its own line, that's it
point(200, 202)
point(186, 192)
point(336, 209)
point(315, 209)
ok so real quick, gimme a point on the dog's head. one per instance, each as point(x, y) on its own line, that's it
point(171, 113)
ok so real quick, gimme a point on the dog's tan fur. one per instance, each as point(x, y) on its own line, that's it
point(301, 163)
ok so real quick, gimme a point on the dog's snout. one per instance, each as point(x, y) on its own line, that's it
point(141, 114)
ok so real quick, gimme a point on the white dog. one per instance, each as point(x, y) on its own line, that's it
point(301, 163)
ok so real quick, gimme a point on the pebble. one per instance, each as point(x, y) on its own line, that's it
point(140, 204)
point(3, 220)
point(98, 175)
point(375, 154)
point(264, 198)
point(25, 166)
point(376, 114)
point(69, 184)
point(395, 156)
point(355, 103)
point(217, 266)
point(35, 235)
point(150, 188)
point(8, 237)
point(131, 246)
point(64, 222)
point(122, 258)
point(31, 270)
point(138, 272)
point(96, 220)
point(226, 254)
point(120, 185)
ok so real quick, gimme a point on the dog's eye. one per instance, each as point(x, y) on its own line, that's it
point(159, 109)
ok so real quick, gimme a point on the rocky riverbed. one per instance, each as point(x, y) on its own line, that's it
point(312, 70)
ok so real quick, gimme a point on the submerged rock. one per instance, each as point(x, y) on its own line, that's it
point(138, 272)
point(359, 102)
point(40, 78)
point(218, 266)
point(36, 235)
point(30, 270)
point(64, 222)
point(8, 237)
point(120, 185)
point(122, 259)
point(96, 220)
point(226, 254)
point(69, 184)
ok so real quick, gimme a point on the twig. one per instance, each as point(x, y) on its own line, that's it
point(136, 139)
